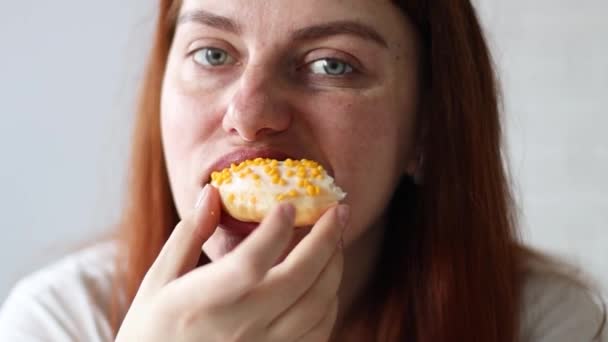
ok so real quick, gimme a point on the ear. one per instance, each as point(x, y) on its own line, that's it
point(413, 166)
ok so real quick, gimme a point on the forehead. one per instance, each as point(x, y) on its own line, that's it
point(290, 9)
point(273, 18)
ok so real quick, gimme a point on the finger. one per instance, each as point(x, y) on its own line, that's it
point(312, 306)
point(322, 331)
point(289, 280)
point(182, 250)
point(240, 270)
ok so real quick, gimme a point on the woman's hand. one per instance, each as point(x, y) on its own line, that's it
point(241, 297)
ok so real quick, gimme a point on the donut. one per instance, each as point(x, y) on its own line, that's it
point(249, 190)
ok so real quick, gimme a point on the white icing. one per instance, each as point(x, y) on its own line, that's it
point(308, 207)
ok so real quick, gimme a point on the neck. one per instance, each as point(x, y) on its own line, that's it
point(360, 259)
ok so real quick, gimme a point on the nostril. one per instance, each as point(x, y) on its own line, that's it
point(265, 131)
point(248, 137)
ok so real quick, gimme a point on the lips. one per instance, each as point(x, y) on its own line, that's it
point(228, 222)
point(241, 155)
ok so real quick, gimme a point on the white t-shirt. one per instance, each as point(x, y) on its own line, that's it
point(69, 301)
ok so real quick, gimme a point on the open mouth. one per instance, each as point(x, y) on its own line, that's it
point(228, 222)
point(235, 226)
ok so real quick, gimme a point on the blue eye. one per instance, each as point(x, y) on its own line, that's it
point(331, 66)
point(212, 57)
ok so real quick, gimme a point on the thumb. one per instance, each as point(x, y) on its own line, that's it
point(182, 250)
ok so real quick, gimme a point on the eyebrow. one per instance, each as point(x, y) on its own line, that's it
point(344, 27)
point(334, 28)
point(211, 20)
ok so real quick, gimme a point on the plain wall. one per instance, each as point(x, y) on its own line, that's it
point(552, 58)
point(68, 77)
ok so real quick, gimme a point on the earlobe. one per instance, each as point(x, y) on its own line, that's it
point(413, 168)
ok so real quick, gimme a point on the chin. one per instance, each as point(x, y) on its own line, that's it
point(223, 242)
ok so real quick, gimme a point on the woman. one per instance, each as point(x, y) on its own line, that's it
point(398, 100)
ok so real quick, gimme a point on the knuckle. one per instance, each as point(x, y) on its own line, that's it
point(323, 294)
point(333, 313)
point(334, 307)
point(330, 315)
point(277, 335)
point(323, 323)
point(338, 270)
point(330, 245)
point(324, 306)
point(249, 273)
point(245, 271)
point(332, 276)
point(186, 320)
point(337, 262)
point(334, 285)
point(292, 276)
point(166, 302)
point(243, 333)
point(324, 300)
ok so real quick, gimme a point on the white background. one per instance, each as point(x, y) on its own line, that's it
point(69, 71)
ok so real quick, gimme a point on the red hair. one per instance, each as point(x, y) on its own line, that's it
point(449, 269)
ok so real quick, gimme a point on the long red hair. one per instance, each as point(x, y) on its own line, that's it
point(450, 264)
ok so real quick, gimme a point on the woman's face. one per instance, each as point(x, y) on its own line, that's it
point(332, 81)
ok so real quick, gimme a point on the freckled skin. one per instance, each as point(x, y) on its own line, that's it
point(361, 125)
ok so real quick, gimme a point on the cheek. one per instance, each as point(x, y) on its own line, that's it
point(178, 124)
point(363, 136)
point(184, 124)
point(364, 141)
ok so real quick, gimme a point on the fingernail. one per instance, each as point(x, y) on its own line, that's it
point(288, 211)
point(343, 215)
point(201, 196)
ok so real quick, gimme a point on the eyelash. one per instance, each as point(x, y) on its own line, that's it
point(349, 68)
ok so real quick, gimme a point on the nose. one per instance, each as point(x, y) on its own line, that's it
point(257, 108)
